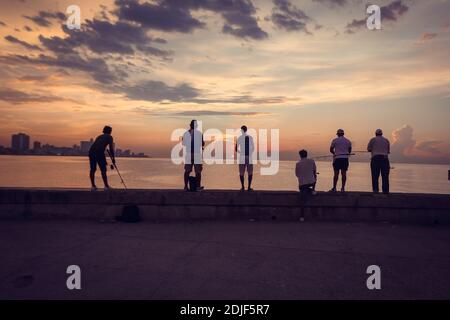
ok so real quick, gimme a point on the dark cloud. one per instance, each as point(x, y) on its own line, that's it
point(197, 113)
point(332, 3)
point(27, 28)
point(18, 97)
point(176, 15)
point(22, 43)
point(43, 18)
point(158, 91)
point(162, 15)
point(101, 36)
point(2, 24)
point(426, 37)
point(390, 12)
point(96, 67)
point(287, 16)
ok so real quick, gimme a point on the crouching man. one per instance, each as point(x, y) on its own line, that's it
point(306, 173)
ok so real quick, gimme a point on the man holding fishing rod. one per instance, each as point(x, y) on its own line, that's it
point(341, 148)
point(97, 156)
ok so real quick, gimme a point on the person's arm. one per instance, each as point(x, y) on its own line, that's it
point(332, 147)
point(315, 170)
point(203, 143)
point(297, 170)
point(369, 146)
point(350, 148)
point(111, 150)
point(389, 147)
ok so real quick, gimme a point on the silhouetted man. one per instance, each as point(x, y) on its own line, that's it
point(245, 147)
point(341, 148)
point(194, 144)
point(97, 156)
point(306, 173)
point(380, 148)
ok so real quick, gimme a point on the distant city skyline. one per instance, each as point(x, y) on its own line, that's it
point(20, 144)
point(305, 67)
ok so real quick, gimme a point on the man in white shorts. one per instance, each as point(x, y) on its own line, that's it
point(245, 147)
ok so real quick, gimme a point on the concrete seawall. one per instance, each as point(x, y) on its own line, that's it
point(175, 205)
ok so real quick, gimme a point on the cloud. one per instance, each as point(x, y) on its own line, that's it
point(43, 18)
point(391, 12)
point(27, 28)
point(2, 24)
point(426, 37)
point(288, 17)
point(19, 97)
point(162, 15)
point(332, 3)
point(158, 91)
point(101, 36)
point(176, 16)
point(405, 148)
point(403, 141)
point(95, 67)
point(24, 44)
point(198, 113)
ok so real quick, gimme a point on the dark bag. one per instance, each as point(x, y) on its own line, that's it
point(130, 214)
point(192, 183)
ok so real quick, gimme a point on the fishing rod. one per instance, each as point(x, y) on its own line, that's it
point(113, 166)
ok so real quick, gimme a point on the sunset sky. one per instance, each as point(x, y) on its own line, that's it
point(306, 67)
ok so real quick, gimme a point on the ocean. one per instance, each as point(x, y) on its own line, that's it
point(150, 173)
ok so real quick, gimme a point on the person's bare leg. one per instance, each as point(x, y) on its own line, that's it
point(344, 179)
point(250, 178)
point(198, 175)
point(335, 179)
point(186, 179)
point(92, 177)
point(242, 182)
point(105, 179)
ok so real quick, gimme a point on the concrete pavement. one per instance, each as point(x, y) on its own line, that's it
point(222, 260)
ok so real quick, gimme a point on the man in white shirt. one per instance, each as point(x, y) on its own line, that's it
point(245, 147)
point(380, 148)
point(194, 144)
point(306, 173)
point(341, 148)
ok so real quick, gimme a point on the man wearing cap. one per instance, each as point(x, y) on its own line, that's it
point(380, 148)
point(341, 148)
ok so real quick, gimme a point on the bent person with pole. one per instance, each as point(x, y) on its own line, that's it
point(97, 156)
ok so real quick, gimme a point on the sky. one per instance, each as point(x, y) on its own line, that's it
point(305, 67)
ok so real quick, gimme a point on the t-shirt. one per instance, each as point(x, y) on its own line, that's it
point(100, 144)
point(341, 146)
point(193, 143)
point(305, 171)
point(379, 145)
point(245, 148)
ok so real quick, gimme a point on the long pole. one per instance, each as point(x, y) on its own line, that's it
point(120, 176)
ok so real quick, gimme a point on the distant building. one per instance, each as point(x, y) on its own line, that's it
point(86, 145)
point(20, 142)
point(36, 146)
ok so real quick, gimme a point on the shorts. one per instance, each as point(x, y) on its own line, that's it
point(340, 164)
point(247, 166)
point(197, 168)
point(97, 159)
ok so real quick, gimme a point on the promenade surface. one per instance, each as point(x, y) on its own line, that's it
point(222, 260)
